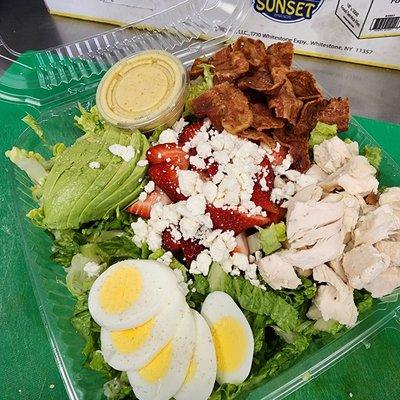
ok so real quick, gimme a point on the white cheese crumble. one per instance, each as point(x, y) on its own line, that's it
point(142, 163)
point(150, 186)
point(92, 269)
point(125, 152)
point(166, 258)
point(94, 165)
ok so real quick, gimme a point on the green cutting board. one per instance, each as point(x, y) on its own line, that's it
point(28, 370)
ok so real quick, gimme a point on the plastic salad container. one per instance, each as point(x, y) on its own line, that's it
point(53, 82)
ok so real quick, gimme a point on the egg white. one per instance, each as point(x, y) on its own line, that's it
point(200, 378)
point(232, 337)
point(153, 293)
point(147, 384)
point(163, 328)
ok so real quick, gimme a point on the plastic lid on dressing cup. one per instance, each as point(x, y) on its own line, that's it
point(143, 91)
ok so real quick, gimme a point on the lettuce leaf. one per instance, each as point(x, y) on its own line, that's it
point(322, 132)
point(119, 388)
point(254, 299)
point(198, 87)
point(373, 155)
point(32, 123)
point(66, 244)
point(156, 134)
point(271, 238)
point(33, 164)
point(89, 121)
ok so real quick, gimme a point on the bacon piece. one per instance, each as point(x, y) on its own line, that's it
point(254, 50)
point(197, 68)
point(262, 81)
point(263, 119)
point(336, 112)
point(304, 85)
point(258, 136)
point(280, 55)
point(298, 148)
point(308, 116)
point(228, 65)
point(226, 106)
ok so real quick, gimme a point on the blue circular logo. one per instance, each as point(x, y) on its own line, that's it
point(287, 11)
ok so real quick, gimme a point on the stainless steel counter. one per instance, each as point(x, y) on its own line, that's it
point(373, 92)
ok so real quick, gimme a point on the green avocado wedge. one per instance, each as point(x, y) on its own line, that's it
point(74, 193)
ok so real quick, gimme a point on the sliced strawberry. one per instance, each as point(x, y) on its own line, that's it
point(278, 217)
point(234, 220)
point(168, 152)
point(165, 176)
point(189, 132)
point(191, 250)
point(212, 169)
point(169, 243)
point(263, 199)
point(242, 245)
point(143, 208)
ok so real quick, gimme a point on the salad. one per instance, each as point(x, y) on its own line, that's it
point(207, 255)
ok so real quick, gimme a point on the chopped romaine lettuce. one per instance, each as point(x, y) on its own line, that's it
point(271, 238)
point(58, 148)
point(31, 121)
point(30, 162)
point(373, 155)
point(118, 388)
point(254, 299)
point(89, 121)
point(198, 87)
point(156, 134)
point(322, 132)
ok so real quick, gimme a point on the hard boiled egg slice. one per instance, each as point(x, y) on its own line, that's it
point(232, 336)
point(131, 292)
point(133, 348)
point(200, 376)
point(162, 377)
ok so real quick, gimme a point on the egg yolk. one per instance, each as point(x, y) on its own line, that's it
point(129, 340)
point(191, 370)
point(230, 343)
point(158, 366)
point(120, 290)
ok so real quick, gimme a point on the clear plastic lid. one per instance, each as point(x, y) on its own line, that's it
point(62, 72)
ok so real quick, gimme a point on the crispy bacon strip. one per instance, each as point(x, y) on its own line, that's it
point(263, 119)
point(280, 55)
point(254, 50)
point(262, 81)
point(304, 85)
point(226, 106)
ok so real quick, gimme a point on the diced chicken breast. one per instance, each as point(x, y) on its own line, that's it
point(357, 176)
point(302, 217)
point(334, 300)
point(391, 249)
point(278, 273)
point(337, 266)
point(317, 173)
point(391, 196)
point(385, 283)
point(363, 264)
point(331, 154)
point(311, 192)
point(314, 313)
point(376, 226)
point(253, 241)
point(323, 251)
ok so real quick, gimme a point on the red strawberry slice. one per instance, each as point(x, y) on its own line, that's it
point(234, 220)
point(189, 132)
point(169, 243)
point(212, 169)
point(191, 250)
point(165, 176)
point(168, 152)
point(143, 208)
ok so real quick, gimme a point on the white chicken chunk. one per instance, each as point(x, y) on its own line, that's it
point(323, 251)
point(334, 300)
point(337, 266)
point(357, 176)
point(311, 192)
point(317, 173)
point(391, 196)
point(385, 283)
point(332, 154)
point(376, 226)
point(391, 249)
point(351, 210)
point(363, 264)
point(278, 273)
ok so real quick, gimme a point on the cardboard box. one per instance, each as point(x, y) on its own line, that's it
point(360, 31)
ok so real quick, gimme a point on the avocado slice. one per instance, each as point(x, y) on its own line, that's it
point(89, 206)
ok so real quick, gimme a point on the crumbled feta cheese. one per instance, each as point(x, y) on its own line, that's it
point(142, 163)
point(197, 204)
point(125, 152)
point(150, 186)
point(168, 136)
point(92, 269)
point(179, 125)
point(187, 182)
point(202, 264)
point(241, 261)
point(142, 196)
point(140, 230)
point(166, 258)
point(197, 162)
point(94, 165)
